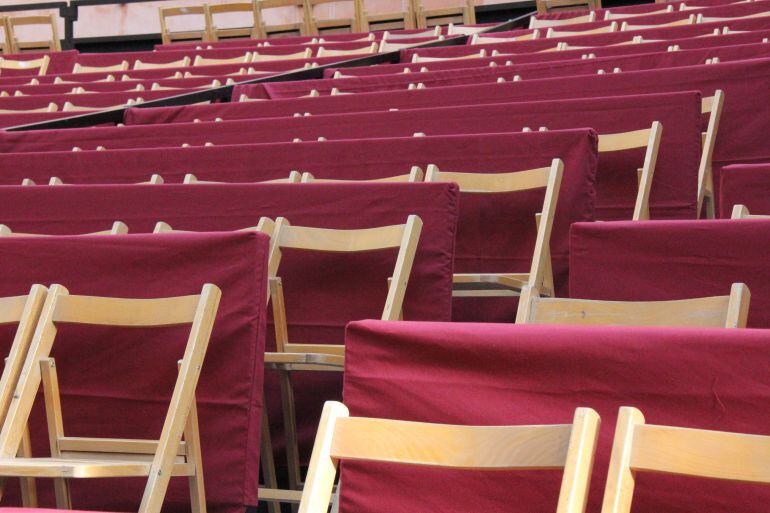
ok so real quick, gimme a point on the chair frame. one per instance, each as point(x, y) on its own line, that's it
point(16, 46)
point(181, 63)
point(464, 13)
point(540, 275)
point(106, 457)
point(324, 52)
point(80, 68)
point(41, 63)
point(642, 447)
point(316, 26)
point(290, 356)
point(168, 36)
point(715, 312)
point(215, 34)
point(487, 448)
point(301, 26)
point(712, 106)
point(398, 20)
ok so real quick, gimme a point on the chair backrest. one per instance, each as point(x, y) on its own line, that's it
point(482, 39)
point(418, 58)
point(648, 138)
point(335, 23)
point(462, 30)
point(80, 68)
point(61, 307)
point(641, 447)
point(742, 212)
point(544, 6)
point(459, 11)
point(487, 448)
point(552, 32)
point(709, 312)
point(53, 44)
point(630, 26)
point(187, 12)
point(24, 310)
point(549, 178)
point(392, 19)
point(181, 63)
point(118, 228)
point(414, 175)
point(215, 33)
point(294, 177)
point(203, 61)
point(538, 23)
point(395, 36)
point(299, 26)
point(262, 57)
point(609, 15)
point(324, 52)
point(52, 107)
point(41, 64)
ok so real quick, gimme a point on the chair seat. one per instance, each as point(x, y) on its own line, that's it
point(80, 468)
point(488, 284)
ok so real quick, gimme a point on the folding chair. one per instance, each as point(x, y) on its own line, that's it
point(181, 63)
point(52, 107)
point(540, 275)
point(244, 8)
point(53, 44)
point(24, 311)
point(41, 64)
point(293, 356)
point(203, 61)
point(333, 25)
point(415, 175)
point(78, 457)
point(294, 177)
point(648, 138)
point(641, 447)
point(298, 27)
point(464, 13)
point(708, 312)
point(324, 52)
point(393, 20)
point(490, 448)
point(545, 6)
point(118, 228)
point(187, 12)
point(535, 22)
point(713, 107)
point(742, 212)
point(263, 57)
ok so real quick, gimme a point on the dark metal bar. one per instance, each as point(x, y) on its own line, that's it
point(32, 7)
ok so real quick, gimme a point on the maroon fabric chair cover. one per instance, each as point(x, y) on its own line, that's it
point(318, 304)
point(743, 133)
point(123, 389)
point(494, 374)
point(661, 260)
point(745, 185)
point(674, 185)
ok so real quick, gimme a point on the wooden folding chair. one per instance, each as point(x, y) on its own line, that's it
point(742, 212)
point(540, 275)
point(712, 106)
point(538, 23)
point(168, 36)
point(333, 24)
point(648, 138)
point(24, 311)
point(41, 64)
point(118, 228)
point(244, 8)
point(53, 44)
point(293, 356)
point(414, 175)
point(491, 448)
point(544, 6)
point(709, 312)
point(52, 107)
point(325, 52)
point(392, 20)
point(80, 68)
point(463, 13)
point(265, 57)
point(641, 447)
point(78, 457)
point(298, 27)
point(180, 63)
point(294, 177)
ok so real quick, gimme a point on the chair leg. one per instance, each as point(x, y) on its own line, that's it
point(268, 462)
point(55, 427)
point(28, 487)
point(290, 431)
point(192, 440)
